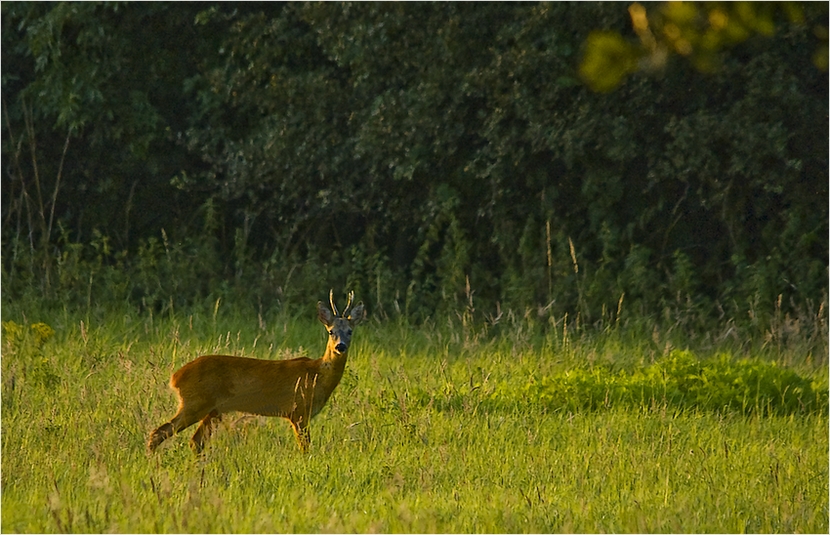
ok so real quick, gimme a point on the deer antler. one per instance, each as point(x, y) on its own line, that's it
point(331, 302)
point(348, 304)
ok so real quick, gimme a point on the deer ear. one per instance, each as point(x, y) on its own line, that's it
point(357, 314)
point(324, 314)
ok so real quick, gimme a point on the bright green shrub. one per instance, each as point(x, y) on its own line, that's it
point(680, 380)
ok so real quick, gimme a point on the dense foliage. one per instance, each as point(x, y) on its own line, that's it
point(421, 154)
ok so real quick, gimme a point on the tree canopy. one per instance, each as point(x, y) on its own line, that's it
point(531, 154)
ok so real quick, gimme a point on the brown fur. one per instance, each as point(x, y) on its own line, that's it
point(295, 389)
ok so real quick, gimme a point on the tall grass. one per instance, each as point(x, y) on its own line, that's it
point(410, 441)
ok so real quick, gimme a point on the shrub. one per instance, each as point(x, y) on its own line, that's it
point(680, 380)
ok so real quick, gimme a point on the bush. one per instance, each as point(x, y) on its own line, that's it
point(678, 381)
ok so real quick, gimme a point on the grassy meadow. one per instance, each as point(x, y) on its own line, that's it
point(446, 427)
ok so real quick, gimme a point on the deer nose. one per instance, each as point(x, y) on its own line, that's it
point(341, 347)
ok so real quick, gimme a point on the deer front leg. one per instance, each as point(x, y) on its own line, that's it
point(301, 432)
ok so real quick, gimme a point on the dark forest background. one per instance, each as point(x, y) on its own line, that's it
point(435, 158)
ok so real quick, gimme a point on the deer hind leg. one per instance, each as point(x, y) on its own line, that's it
point(197, 443)
point(158, 436)
point(183, 419)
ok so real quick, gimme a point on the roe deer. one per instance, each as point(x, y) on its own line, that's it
point(295, 389)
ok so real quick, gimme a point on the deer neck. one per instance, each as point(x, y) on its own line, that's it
point(337, 361)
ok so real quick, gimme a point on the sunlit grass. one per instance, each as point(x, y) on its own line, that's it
point(408, 442)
